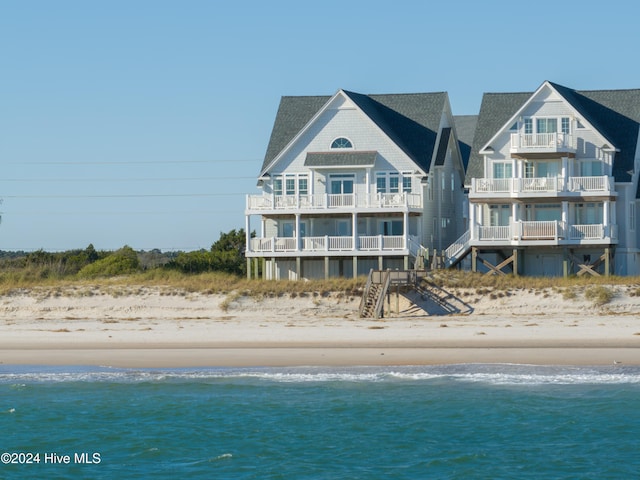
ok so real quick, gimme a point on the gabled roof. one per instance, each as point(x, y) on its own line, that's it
point(465, 131)
point(495, 110)
point(349, 158)
point(411, 121)
point(614, 113)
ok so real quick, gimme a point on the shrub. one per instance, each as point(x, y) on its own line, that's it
point(598, 294)
point(121, 262)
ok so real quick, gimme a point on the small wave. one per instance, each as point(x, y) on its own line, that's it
point(497, 374)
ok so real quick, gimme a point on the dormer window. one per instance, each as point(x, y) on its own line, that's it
point(341, 142)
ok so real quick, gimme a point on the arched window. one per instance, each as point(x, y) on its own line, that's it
point(341, 142)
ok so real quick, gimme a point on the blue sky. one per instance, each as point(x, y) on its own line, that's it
point(144, 123)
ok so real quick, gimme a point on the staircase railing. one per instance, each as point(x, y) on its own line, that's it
point(365, 294)
point(386, 280)
point(456, 248)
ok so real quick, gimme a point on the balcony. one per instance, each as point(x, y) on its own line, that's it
point(529, 144)
point(544, 233)
point(541, 187)
point(333, 245)
point(259, 204)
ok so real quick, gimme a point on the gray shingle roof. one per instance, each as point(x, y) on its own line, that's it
point(495, 110)
point(410, 120)
point(465, 131)
point(614, 113)
point(340, 159)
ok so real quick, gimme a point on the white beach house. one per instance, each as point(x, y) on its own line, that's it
point(553, 184)
point(352, 182)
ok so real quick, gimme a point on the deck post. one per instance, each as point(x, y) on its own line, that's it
point(474, 259)
point(326, 268)
point(607, 261)
point(248, 268)
point(355, 266)
point(565, 263)
point(298, 268)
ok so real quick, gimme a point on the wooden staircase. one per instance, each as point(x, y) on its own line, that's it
point(372, 302)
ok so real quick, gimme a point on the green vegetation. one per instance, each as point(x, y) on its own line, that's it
point(222, 269)
point(598, 294)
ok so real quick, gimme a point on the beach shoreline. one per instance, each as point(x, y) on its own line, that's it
point(148, 328)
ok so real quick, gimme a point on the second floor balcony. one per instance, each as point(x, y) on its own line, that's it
point(542, 187)
point(544, 233)
point(402, 201)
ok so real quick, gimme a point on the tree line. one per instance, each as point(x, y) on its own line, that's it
point(225, 255)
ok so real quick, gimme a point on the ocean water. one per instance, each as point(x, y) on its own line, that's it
point(443, 422)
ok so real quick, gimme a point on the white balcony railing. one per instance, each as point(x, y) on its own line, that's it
point(590, 184)
point(542, 141)
point(334, 201)
point(541, 185)
point(378, 243)
point(545, 230)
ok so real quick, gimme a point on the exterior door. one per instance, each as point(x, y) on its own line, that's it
point(342, 184)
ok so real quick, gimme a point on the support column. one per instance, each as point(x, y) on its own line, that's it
point(355, 267)
point(380, 262)
point(474, 259)
point(607, 261)
point(248, 268)
point(256, 268)
point(472, 220)
point(298, 268)
point(354, 230)
point(247, 232)
point(565, 262)
point(297, 232)
point(516, 262)
point(273, 268)
point(326, 268)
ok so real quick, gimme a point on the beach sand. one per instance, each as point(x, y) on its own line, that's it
point(144, 327)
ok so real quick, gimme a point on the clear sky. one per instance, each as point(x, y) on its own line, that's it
point(145, 122)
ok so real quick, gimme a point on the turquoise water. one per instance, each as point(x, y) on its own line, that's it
point(452, 422)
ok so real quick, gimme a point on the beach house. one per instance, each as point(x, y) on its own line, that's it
point(553, 184)
point(354, 182)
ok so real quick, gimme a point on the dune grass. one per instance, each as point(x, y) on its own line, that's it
point(172, 282)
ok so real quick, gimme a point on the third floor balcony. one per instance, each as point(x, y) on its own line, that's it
point(556, 186)
point(348, 202)
point(525, 144)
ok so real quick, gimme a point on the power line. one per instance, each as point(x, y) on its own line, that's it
point(112, 180)
point(136, 195)
point(133, 162)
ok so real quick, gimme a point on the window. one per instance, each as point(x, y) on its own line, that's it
point(406, 183)
point(303, 186)
point(579, 124)
point(341, 142)
point(290, 185)
point(499, 215)
point(391, 227)
point(389, 182)
point(591, 168)
point(393, 183)
point(566, 125)
point(294, 184)
point(342, 184)
point(277, 186)
point(514, 127)
point(588, 213)
point(502, 170)
point(528, 126)
point(547, 125)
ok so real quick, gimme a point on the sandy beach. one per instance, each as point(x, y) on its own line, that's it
point(155, 327)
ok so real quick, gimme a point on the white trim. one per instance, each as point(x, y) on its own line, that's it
point(576, 114)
